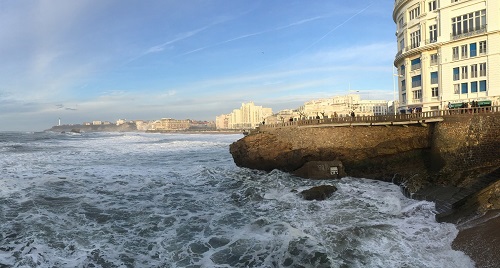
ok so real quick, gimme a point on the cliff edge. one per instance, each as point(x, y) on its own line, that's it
point(452, 162)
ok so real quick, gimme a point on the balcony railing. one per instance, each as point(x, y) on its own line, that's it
point(478, 30)
point(430, 41)
point(416, 66)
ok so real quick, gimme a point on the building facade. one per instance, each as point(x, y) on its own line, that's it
point(448, 53)
point(248, 116)
point(169, 124)
point(341, 106)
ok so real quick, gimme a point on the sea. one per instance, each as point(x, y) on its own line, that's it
point(178, 200)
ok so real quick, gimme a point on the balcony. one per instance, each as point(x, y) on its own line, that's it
point(416, 66)
point(430, 41)
point(479, 30)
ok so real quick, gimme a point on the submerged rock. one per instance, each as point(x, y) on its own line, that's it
point(318, 192)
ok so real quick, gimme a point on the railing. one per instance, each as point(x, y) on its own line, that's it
point(416, 66)
point(418, 117)
point(478, 30)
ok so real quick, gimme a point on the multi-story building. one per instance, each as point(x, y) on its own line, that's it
point(168, 124)
point(448, 53)
point(341, 106)
point(249, 116)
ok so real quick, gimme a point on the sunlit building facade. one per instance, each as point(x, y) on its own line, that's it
point(169, 124)
point(341, 106)
point(248, 116)
point(448, 53)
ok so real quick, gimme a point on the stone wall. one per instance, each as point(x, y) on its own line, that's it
point(456, 154)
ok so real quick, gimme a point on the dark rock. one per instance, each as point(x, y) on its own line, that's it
point(319, 192)
point(459, 153)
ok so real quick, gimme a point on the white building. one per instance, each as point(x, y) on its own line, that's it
point(448, 52)
point(249, 116)
point(341, 106)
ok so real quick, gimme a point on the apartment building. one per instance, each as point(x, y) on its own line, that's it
point(169, 124)
point(341, 106)
point(448, 53)
point(248, 116)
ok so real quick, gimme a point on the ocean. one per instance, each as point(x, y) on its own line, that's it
point(178, 200)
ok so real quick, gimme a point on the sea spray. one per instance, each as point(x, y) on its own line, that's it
point(172, 200)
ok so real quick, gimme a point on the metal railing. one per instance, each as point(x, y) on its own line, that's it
point(478, 30)
point(418, 117)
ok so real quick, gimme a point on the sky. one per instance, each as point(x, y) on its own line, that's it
point(85, 60)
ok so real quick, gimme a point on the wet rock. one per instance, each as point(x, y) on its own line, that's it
point(319, 192)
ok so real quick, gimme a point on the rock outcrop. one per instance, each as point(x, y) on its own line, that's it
point(318, 193)
point(460, 156)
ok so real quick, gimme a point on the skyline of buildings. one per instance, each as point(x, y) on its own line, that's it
point(448, 53)
point(250, 116)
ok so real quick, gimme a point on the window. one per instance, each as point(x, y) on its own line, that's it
point(402, 70)
point(415, 39)
point(455, 53)
point(434, 77)
point(482, 69)
point(464, 72)
point(403, 85)
point(433, 33)
point(417, 94)
point(434, 59)
point(415, 64)
point(416, 81)
point(456, 74)
point(473, 87)
point(435, 92)
point(403, 97)
point(464, 52)
point(473, 71)
point(465, 88)
point(482, 47)
point(432, 5)
point(402, 44)
point(401, 22)
point(473, 51)
point(414, 13)
point(456, 88)
point(482, 85)
point(470, 22)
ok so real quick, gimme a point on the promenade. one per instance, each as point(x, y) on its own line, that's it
point(383, 120)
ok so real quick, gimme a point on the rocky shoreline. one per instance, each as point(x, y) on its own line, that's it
point(480, 238)
point(454, 163)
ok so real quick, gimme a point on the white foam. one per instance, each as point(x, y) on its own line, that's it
point(159, 200)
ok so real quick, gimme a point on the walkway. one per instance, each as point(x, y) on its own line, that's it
point(381, 120)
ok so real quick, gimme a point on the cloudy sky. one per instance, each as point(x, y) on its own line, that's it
point(84, 60)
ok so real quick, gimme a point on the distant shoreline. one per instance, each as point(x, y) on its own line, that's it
point(132, 128)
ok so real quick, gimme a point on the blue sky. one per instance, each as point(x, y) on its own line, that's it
point(85, 60)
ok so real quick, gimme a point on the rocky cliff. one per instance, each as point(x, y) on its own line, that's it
point(449, 162)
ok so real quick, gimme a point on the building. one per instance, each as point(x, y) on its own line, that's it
point(448, 53)
point(341, 106)
point(249, 116)
point(169, 124)
point(372, 107)
point(222, 121)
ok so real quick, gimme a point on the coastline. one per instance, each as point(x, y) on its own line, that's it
point(480, 239)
